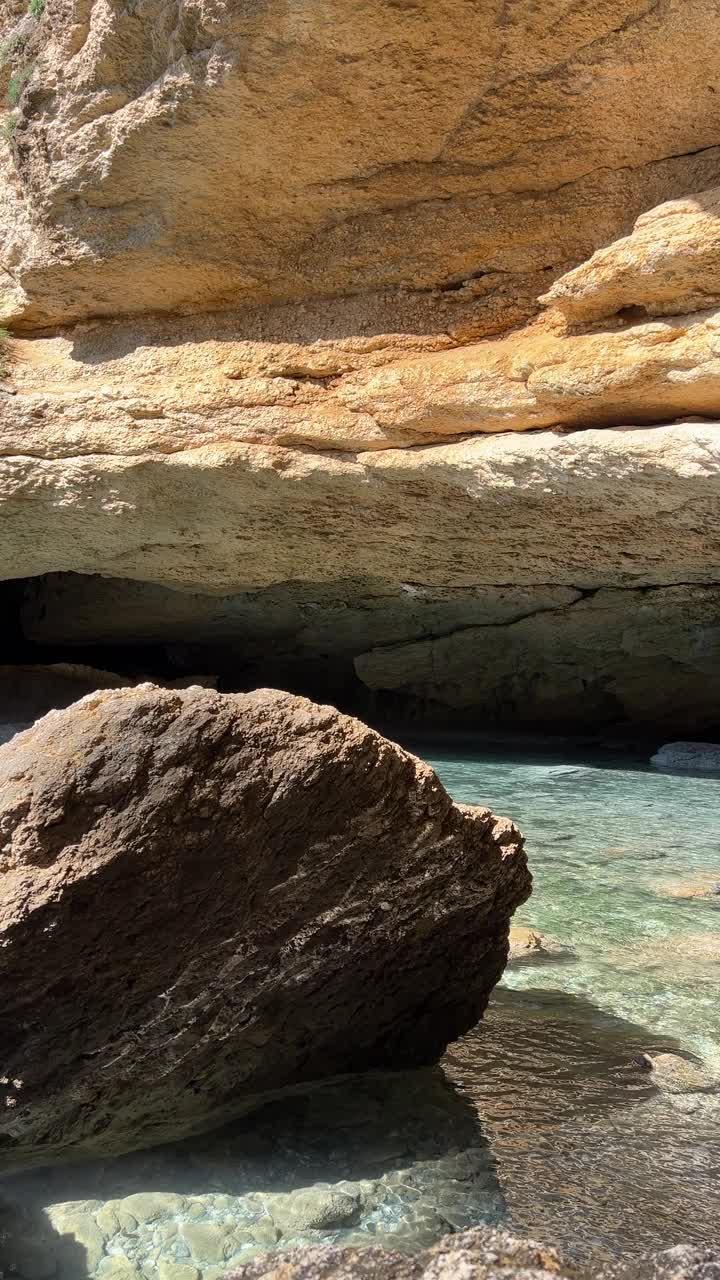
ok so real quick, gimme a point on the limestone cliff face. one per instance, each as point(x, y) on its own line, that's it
point(174, 153)
point(382, 343)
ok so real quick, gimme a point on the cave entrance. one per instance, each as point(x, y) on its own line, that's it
point(96, 628)
point(636, 662)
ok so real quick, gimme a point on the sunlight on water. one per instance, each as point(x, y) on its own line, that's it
point(604, 845)
point(543, 1118)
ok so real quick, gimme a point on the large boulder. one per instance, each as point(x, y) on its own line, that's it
point(207, 899)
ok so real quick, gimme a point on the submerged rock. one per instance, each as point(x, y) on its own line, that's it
point(207, 899)
point(481, 1254)
point(691, 756)
point(527, 944)
point(675, 1074)
point(703, 885)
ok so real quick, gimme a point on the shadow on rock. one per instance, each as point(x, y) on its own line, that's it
point(397, 1156)
point(31, 1248)
point(576, 1105)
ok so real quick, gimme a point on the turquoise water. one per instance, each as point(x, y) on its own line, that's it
point(605, 842)
point(543, 1118)
point(589, 1152)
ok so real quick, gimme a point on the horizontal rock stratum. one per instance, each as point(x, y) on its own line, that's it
point(376, 357)
point(206, 899)
point(190, 155)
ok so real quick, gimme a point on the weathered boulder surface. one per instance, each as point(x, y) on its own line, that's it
point(207, 899)
point(527, 945)
point(480, 1254)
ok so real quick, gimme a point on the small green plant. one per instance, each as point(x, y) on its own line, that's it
point(36, 8)
point(12, 45)
point(17, 83)
point(8, 126)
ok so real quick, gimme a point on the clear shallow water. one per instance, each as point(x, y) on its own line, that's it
point(589, 1153)
point(541, 1118)
point(603, 842)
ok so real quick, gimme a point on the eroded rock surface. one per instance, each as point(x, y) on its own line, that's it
point(482, 1254)
point(282, 309)
point(693, 757)
point(187, 155)
point(669, 263)
point(206, 899)
point(533, 578)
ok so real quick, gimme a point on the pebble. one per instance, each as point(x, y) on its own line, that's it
point(147, 1206)
point(176, 1270)
point(314, 1209)
point(206, 1240)
point(117, 1268)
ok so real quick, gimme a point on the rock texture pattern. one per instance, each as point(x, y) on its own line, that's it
point(479, 1255)
point(670, 263)
point(179, 154)
point(693, 757)
point(207, 899)
point(372, 399)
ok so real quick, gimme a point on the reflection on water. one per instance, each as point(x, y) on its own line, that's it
point(541, 1118)
point(397, 1157)
point(590, 1154)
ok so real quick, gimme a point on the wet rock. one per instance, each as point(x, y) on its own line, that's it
point(315, 1209)
point(480, 1254)
point(265, 1232)
point(688, 953)
point(149, 1206)
point(701, 886)
point(207, 1241)
point(196, 885)
point(107, 1220)
point(692, 757)
point(679, 1075)
point(528, 944)
point(168, 1270)
point(119, 1268)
